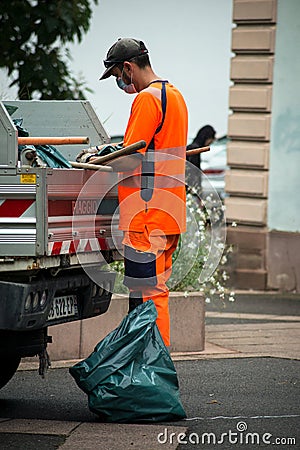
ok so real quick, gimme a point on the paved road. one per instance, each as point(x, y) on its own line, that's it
point(237, 394)
point(261, 394)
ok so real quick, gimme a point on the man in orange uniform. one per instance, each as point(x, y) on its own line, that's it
point(152, 189)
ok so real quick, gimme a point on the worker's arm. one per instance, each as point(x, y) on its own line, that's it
point(124, 163)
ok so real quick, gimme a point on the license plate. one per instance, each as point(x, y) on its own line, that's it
point(65, 306)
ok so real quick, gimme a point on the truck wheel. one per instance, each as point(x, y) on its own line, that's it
point(9, 366)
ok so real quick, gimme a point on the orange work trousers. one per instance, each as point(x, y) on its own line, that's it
point(161, 248)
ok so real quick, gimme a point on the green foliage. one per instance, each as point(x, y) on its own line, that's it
point(202, 252)
point(33, 36)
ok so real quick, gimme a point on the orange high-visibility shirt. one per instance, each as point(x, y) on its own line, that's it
point(162, 207)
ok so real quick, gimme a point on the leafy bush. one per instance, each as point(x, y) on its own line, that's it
point(203, 253)
point(199, 262)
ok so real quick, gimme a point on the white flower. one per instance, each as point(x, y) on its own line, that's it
point(207, 300)
point(223, 260)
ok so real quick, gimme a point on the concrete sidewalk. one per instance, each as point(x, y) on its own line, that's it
point(279, 338)
point(257, 324)
point(236, 331)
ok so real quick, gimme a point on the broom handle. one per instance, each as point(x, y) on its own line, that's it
point(195, 151)
point(95, 165)
point(137, 146)
point(52, 140)
point(122, 152)
point(90, 166)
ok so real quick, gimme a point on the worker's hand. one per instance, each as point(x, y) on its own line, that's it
point(85, 155)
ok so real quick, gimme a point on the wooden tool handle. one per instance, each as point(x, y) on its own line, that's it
point(52, 140)
point(91, 166)
point(195, 151)
point(122, 152)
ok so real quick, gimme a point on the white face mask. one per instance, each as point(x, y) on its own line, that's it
point(129, 88)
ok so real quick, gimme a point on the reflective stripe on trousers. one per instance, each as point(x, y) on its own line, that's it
point(163, 247)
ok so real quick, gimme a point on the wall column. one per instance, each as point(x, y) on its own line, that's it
point(249, 130)
point(263, 181)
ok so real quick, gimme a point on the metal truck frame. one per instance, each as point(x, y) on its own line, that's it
point(56, 236)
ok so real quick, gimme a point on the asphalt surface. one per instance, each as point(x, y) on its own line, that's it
point(234, 403)
point(251, 303)
point(262, 393)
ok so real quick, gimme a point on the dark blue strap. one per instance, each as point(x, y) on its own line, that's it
point(163, 107)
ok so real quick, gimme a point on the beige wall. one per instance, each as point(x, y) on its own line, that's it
point(263, 258)
point(249, 130)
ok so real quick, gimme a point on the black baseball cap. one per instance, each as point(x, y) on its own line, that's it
point(123, 50)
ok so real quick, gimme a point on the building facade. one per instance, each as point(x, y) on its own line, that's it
point(263, 154)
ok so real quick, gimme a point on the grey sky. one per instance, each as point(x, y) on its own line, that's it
point(189, 44)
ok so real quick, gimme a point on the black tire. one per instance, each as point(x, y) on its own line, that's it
point(9, 365)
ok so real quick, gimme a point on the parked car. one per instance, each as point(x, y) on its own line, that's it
point(213, 165)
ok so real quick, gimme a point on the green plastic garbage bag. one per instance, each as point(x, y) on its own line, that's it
point(10, 109)
point(130, 376)
point(108, 149)
point(52, 157)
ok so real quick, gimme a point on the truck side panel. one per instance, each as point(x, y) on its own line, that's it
point(18, 217)
point(77, 218)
